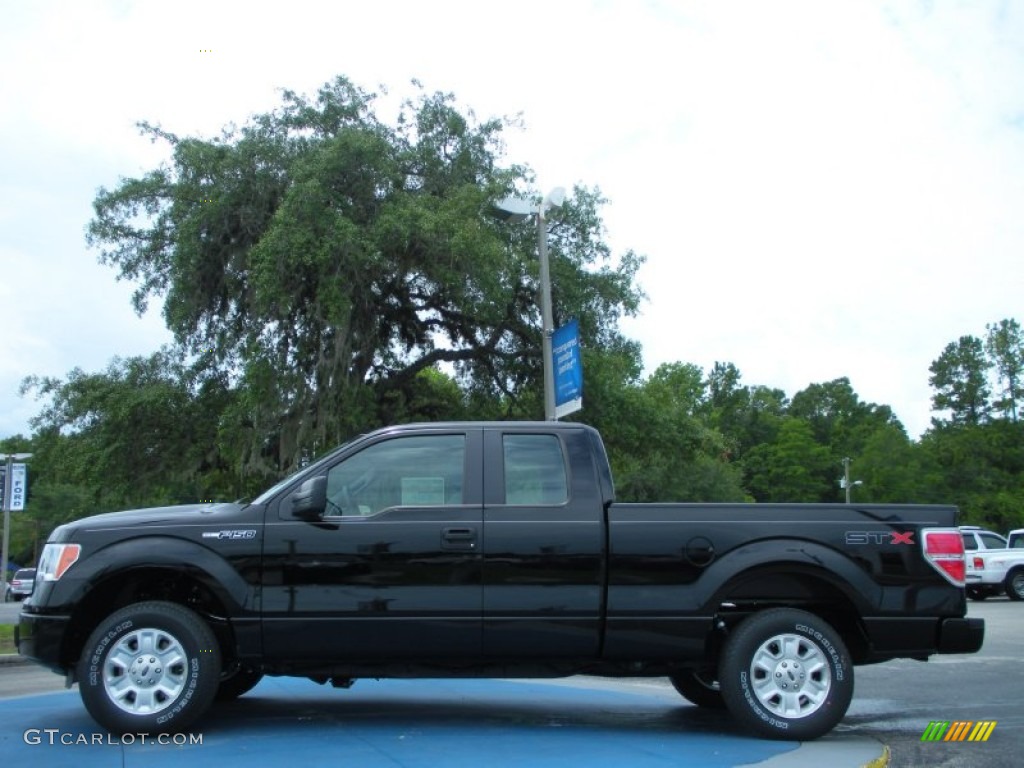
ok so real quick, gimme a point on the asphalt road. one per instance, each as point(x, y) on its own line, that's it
point(893, 702)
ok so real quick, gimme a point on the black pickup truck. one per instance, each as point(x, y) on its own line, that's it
point(492, 549)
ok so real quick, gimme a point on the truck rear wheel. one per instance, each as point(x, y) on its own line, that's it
point(151, 667)
point(786, 674)
point(1015, 584)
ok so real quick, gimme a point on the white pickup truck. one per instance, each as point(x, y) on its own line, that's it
point(992, 566)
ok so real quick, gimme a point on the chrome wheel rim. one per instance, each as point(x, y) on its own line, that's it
point(145, 671)
point(790, 676)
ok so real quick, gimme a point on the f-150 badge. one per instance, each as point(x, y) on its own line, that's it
point(237, 533)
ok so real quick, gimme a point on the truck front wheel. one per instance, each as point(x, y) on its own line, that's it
point(786, 674)
point(151, 667)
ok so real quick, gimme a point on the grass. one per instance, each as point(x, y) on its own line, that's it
point(7, 639)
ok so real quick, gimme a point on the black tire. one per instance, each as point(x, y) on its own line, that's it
point(151, 667)
point(786, 674)
point(698, 687)
point(977, 594)
point(1015, 584)
point(237, 681)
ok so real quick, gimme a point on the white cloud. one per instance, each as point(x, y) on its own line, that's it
point(822, 189)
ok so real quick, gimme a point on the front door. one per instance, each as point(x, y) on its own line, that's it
point(393, 569)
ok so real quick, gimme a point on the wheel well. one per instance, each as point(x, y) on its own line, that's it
point(139, 584)
point(762, 588)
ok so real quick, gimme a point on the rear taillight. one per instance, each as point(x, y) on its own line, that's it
point(944, 549)
point(979, 564)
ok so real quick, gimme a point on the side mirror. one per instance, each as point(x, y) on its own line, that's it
point(310, 501)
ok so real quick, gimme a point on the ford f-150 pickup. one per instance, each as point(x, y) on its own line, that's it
point(492, 549)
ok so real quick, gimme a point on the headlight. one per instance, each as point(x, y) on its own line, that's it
point(56, 559)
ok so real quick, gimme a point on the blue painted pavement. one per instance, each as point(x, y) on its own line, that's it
point(400, 724)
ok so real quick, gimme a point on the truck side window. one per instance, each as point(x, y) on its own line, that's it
point(534, 470)
point(413, 471)
point(969, 543)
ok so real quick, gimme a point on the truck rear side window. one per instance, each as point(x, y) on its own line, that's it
point(534, 470)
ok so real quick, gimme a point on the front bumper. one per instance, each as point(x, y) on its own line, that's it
point(961, 635)
point(38, 636)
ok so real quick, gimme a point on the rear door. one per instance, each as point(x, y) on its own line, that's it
point(543, 545)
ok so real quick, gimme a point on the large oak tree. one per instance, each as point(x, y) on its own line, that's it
point(325, 260)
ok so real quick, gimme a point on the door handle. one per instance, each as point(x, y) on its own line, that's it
point(458, 538)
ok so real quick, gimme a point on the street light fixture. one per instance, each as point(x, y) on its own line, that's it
point(518, 209)
point(9, 459)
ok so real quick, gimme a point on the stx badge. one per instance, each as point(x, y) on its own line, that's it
point(879, 537)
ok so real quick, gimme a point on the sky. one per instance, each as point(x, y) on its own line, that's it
point(821, 189)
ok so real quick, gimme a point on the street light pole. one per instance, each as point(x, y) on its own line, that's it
point(547, 321)
point(9, 463)
point(518, 209)
point(846, 477)
point(847, 484)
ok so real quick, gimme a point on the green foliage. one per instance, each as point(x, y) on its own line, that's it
point(325, 272)
point(895, 470)
point(7, 639)
point(959, 379)
point(794, 468)
point(1005, 347)
point(329, 259)
point(659, 449)
point(143, 432)
point(981, 470)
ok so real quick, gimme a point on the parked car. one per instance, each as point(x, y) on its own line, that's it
point(20, 585)
point(994, 565)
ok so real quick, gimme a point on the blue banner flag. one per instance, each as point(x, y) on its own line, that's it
point(568, 367)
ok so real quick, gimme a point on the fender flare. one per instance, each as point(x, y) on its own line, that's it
point(207, 567)
point(779, 555)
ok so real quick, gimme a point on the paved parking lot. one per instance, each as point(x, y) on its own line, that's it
point(498, 722)
point(419, 724)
